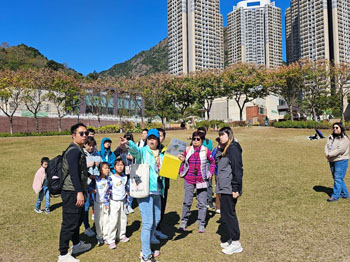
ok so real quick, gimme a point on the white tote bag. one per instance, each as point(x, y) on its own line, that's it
point(139, 180)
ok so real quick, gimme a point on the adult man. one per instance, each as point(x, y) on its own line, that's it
point(75, 174)
point(144, 133)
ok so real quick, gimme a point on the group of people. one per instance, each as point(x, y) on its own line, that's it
point(102, 177)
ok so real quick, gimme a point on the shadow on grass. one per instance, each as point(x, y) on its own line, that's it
point(136, 224)
point(55, 206)
point(323, 189)
point(222, 232)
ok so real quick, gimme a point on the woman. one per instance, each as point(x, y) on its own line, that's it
point(150, 206)
point(229, 185)
point(337, 153)
point(196, 171)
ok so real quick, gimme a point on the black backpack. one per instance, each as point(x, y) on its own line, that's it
point(54, 174)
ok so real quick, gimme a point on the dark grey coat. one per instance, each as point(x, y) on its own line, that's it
point(229, 170)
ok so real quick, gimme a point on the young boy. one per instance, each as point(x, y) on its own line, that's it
point(117, 195)
point(40, 185)
point(99, 186)
point(106, 154)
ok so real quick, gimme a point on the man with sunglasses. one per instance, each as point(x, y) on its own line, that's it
point(75, 174)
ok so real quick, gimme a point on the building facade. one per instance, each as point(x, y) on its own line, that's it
point(254, 33)
point(195, 36)
point(321, 27)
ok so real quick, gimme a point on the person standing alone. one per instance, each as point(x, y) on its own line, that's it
point(74, 192)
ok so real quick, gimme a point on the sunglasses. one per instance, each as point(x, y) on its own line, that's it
point(196, 139)
point(335, 127)
point(81, 133)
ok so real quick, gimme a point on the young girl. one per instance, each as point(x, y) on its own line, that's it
point(117, 214)
point(40, 186)
point(99, 186)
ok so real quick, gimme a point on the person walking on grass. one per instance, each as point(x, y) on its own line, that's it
point(196, 171)
point(337, 154)
point(40, 186)
point(74, 193)
point(150, 206)
point(228, 159)
point(117, 190)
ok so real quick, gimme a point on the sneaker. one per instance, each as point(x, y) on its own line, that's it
point(39, 211)
point(124, 239)
point(331, 199)
point(93, 216)
point(156, 253)
point(130, 210)
point(224, 245)
point(160, 235)
point(47, 211)
point(217, 211)
point(149, 259)
point(182, 226)
point(210, 206)
point(80, 248)
point(154, 240)
point(112, 245)
point(234, 247)
point(100, 241)
point(89, 232)
point(201, 229)
point(67, 258)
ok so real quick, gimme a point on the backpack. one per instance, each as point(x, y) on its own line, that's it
point(54, 174)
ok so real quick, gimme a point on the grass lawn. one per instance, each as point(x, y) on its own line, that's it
point(283, 212)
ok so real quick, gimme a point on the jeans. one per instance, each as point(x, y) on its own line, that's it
point(86, 208)
point(338, 170)
point(44, 192)
point(150, 213)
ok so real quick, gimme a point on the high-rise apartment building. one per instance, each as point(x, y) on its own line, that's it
point(195, 36)
point(255, 33)
point(318, 29)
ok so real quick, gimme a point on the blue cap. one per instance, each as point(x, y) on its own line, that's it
point(153, 132)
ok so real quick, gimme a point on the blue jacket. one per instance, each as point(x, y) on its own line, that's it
point(145, 153)
point(107, 155)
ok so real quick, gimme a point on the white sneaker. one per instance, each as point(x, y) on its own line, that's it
point(89, 232)
point(67, 258)
point(39, 211)
point(224, 245)
point(235, 247)
point(80, 248)
point(130, 210)
point(160, 235)
point(217, 211)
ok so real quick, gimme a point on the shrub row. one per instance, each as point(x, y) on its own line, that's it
point(302, 124)
point(47, 133)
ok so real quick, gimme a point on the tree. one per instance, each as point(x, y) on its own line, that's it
point(316, 76)
point(244, 83)
point(63, 92)
point(34, 93)
point(288, 83)
point(11, 93)
point(185, 93)
point(159, 94)
point(341, 74)
point(209, 83)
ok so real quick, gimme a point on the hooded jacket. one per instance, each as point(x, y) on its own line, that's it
point(106, 154)
point(230, 170)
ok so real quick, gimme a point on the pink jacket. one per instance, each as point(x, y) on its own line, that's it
point(39, 180)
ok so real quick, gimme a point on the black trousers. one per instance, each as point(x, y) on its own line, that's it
point(72, 218)
point(210, 192)
point(163, 201)
point(229, 217)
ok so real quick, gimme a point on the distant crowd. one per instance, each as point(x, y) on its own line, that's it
point(101, 179)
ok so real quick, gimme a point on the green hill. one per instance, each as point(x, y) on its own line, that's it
point(147, 62)
point(23, 56)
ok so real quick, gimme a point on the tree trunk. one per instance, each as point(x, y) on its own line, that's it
point(342, 110)
point(59, 124)
point(291, 112)
point(99, 120)
point(36, 123)
point(11, 125)
point(314, 113)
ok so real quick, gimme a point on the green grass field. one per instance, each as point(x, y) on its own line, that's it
point(283, 212)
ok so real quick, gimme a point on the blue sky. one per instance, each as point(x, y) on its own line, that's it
point(91, 35)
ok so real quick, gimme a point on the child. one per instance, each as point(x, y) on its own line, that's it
point(117, 195)
point(99, 186)
point(106, 154)
point(40, 185)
